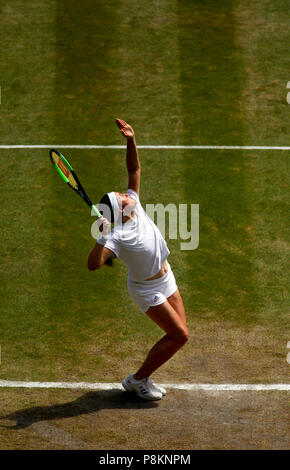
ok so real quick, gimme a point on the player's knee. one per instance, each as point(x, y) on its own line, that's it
point(182, 336)
point(185, 336)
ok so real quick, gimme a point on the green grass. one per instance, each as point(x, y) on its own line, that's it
point(186, 73)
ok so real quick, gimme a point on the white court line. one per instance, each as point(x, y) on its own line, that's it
point(117, 385)
point(168, 147)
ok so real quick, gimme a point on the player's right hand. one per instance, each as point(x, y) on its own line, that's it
point(104, 225)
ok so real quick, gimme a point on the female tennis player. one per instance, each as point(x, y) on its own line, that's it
point(137, 241)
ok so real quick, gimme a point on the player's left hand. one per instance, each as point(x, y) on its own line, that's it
point(125, 128)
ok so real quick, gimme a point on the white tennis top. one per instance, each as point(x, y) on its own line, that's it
point(139, 243)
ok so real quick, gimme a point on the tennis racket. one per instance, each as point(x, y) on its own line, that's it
point(67, 173)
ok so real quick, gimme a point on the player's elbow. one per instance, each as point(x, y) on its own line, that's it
point(93, 265)
point(135, 170)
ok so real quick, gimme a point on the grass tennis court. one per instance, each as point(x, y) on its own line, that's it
point(182, 73)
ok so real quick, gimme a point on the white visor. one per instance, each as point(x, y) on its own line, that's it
point(115, 205)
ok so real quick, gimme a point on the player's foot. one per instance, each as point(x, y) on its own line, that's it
point(158, 388)
point(143, 388)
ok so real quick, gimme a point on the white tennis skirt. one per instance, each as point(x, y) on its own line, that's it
point(151, 293)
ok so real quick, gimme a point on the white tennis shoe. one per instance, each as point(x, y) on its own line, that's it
point(158, 388)
point(143, 388)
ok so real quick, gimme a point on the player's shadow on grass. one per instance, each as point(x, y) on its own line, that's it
point(89, 403)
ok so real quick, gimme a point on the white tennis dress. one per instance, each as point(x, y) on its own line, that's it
point(140, 244)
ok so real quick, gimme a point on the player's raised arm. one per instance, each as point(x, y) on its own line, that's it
point(133, 162)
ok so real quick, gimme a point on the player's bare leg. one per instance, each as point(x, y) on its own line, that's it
point(170, 317)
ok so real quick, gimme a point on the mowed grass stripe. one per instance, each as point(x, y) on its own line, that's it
point(84, 306)
point(27, 42)
point(262, 32)
point(150, 95)
point(149, 88)
point(232, 314)
point(263, 36)
point(219, 282)
point(28, 47)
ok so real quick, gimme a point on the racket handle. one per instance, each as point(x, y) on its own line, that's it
point(107, 228)
point(95, 210)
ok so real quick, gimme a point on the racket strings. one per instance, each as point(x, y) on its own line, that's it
point(72, 181)
point(64, 170)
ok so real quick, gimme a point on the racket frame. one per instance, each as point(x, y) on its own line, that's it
point(80, 189)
